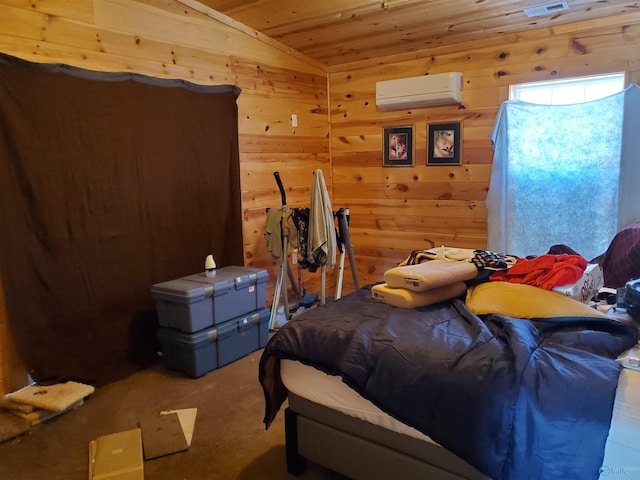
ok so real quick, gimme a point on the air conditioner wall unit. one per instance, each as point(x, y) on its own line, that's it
point(417, 92)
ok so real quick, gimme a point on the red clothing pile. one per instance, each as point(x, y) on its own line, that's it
point(546, 271)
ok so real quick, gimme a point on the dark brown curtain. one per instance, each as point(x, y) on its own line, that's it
point(109, 183)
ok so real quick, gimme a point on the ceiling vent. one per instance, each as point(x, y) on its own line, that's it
point(548, 9)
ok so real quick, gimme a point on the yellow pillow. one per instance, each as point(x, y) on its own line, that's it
point(524, 301)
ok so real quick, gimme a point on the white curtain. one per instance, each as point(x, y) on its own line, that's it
point(564, 174)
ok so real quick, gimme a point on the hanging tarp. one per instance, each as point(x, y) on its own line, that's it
point(109, 183)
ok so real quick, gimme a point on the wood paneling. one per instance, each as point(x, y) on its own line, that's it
point(393, 210)
point(12, 374)
point(336, 32)
point(397, 210)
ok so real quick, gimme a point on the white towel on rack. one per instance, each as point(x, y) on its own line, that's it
point(322, 238)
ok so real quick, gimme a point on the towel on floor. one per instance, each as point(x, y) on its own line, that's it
point(57, 397)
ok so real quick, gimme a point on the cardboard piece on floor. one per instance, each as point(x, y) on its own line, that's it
point(15, 406)
point(39, 415)
point(57, 397)
point(117, 456)
point(11, 426)
point(162, 435)
point(187, 417)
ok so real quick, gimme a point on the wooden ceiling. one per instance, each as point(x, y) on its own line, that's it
point(334, 32)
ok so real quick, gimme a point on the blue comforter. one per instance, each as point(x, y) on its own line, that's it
point(517, 399)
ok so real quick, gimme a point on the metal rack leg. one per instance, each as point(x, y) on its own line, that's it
point(276, 299)
point(285, 268)
point(340, 275)
point(343, 223)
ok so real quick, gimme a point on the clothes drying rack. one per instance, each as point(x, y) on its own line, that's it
point(343, 241)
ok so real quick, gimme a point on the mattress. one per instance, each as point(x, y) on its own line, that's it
point(329, 390)
point(622, 451)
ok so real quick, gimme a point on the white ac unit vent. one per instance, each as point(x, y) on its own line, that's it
point(546, 9)
point(416, 92)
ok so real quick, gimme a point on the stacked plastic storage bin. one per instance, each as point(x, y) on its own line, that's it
point(207, 322)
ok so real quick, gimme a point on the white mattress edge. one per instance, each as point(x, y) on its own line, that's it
point(329, 390)
point(622, 450)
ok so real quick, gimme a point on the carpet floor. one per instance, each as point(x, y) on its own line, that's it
point(229, 439)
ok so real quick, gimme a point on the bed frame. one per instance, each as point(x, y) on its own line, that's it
point(361, 450)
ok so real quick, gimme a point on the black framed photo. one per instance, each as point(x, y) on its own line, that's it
point(398, 147)
point(443, 143)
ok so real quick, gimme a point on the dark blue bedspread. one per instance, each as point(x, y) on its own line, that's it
point(517, 399)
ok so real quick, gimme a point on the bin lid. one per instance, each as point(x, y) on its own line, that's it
point(180, 290)
point(227, 328)
point(244, 322)
point(228, 278)
point(180, 339)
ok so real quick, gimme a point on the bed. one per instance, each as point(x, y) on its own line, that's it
point(374, 391)
point(344, 432)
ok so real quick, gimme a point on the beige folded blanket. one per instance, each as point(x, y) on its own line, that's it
point(56, 397)
point(428, 275)
point(400, 297)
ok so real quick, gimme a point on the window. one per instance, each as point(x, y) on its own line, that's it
point(556, 167)
point(564, 92)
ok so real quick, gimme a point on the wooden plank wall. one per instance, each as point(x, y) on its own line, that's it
point(183, 39)
point(396, 210)
point(12, 373)
point(392, 210)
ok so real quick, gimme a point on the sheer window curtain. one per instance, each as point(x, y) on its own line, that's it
point(564, 174)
